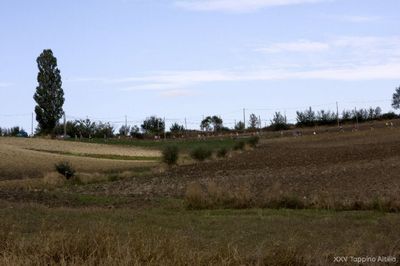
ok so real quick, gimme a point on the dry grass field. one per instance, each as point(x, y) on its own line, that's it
point(22, 158)
point(289, 201)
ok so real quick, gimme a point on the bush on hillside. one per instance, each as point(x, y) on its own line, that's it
point(65, 169)
point(170, 155)
point(201, 153)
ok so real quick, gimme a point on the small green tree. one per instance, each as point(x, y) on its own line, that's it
point(212, 123)
point(153, 125)
point(170, 154)
point(253, 121)
point(176, 128)
point(124, 130)
point(49, 94)
point(217, 123)
point(240, 126)
point(396, 99)
point(279, 122)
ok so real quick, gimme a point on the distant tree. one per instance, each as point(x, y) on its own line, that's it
point(346, 116)
point(153, 125)
point(176, 128)
point(361, 115)
point(49, 94)
point(396, 99)
point(135, 132)
point(374, 113)
point(14, 131)
point(389, 116)
point(240, 126)
point(86, 128)
point(212, 123)
point(306, 118)
point(253, 121)
point(205, 124)
point(124, 130)
point(279, 122)
point(104, 130)
point(71, 127)
point(326, 118)
point(217, 123)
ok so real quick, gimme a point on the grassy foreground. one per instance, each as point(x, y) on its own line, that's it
point(172, 235)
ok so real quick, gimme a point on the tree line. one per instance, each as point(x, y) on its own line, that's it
point(49, 98)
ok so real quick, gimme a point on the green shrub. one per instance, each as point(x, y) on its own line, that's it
point(239, 145)
point(201, 153)
point(221, 153)
point(253, 141)
point(65, 169)
point(170, 155)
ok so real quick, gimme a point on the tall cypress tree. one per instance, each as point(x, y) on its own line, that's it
point(49, 94)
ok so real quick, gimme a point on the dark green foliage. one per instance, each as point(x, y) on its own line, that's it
point(153, 125)
point(124, 130)
point(306, 118)
point(389, 116)
point(362, 115)
point(212, 123)
point(326, 118)
point(253, 141)
point(201, 153)
point(86, 129)
point(13, 132)
point(396, 99)
point(240, 126)
point(49, 94)
point(170, 154)
point(279, 122)
point(222, 152)
point(253, 121)
point(65, 169)
point(239, 145)
point(135, 132)
point(176, 128)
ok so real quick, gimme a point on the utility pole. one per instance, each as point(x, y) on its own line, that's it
point(259, 121)
point(337, 114)
point(186, 129)
point(244, 117)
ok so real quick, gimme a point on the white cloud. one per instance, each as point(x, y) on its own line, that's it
point(237, 5)
point(342, 58)
point(176, 83)
point(354, 18)
point(298, 46)
point(345, 50)
point(176, 93)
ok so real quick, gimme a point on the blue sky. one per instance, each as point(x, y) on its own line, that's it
point(189, 58)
